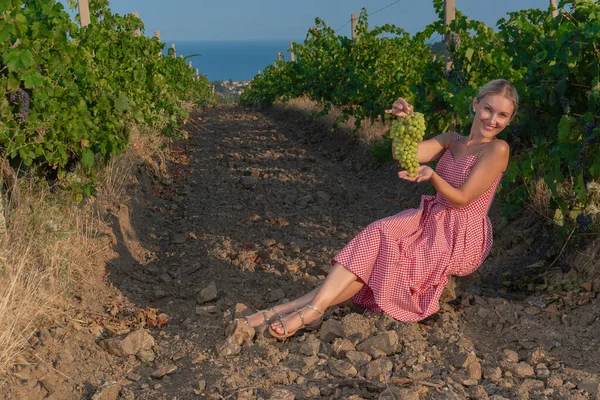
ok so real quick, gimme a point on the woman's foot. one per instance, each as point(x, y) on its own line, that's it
point(263, 317)
point(308, 317)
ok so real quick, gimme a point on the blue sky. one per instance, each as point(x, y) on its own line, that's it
point(290, 20)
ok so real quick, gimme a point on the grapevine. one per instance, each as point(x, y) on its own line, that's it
point(68, 96)
point(406, 133)
point(21, 98)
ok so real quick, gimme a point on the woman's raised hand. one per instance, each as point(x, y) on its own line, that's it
point(400, 108)
point(423, 175)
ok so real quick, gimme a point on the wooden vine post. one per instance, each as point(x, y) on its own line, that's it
point(174, 55)
point(292, 55)
point(554, 8)
point(353, 19)
point(137, 31)
point(84, 12)
point(449, 14)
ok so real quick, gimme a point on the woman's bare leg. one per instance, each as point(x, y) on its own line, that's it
point(340, 285)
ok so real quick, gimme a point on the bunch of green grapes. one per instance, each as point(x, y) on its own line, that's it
point(406, 133)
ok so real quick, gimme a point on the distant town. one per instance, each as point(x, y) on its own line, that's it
point(229, 91)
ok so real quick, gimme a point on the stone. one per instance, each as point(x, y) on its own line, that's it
point(358, 357)
point(310, 347)
point(248, 181)
point(163, 371)
point(330, 330)
point(108, 391)
point(379, 370)
point(276, 295)
point(207, 294)
point(492, 373)
point(179, 238)
point(280, 394)
point(340, 346)
point(386, 342)
point(474, 371)
point(322, 197)
point(521, 370)
point(478, 393)
point(165, 278)
point(542, 371)
point(356, 326)
point(241, 310)
point(537, 356)
point(530, 385)
point(240, 332)
point(132, 376)
point(510, 356)
point(342, 369)
point(462, 360)
point(145, 355)
point(395, 393)
point(130, 344)
point(304, 201)
point(590, 386)
point(229, 347)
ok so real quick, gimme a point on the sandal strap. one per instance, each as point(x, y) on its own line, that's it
point(264, 314)
point(273, 309)
point(314, 308)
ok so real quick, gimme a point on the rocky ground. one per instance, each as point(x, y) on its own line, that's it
point(254, 207)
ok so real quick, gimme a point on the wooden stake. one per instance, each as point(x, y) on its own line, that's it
point(353, 26)
point(157, 35)
point(174, 51)
point(137, 31)
point(449, 14)
point(280, 56)
point(292, 55)
point(84, 12)
point(554, 8)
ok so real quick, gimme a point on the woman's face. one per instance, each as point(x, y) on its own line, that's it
point(492, 113)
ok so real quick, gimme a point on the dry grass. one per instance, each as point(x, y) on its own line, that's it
point(368, 133)
point(51, 256)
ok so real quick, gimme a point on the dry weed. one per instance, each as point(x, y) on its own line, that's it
point(51, 255)
point(368, 133)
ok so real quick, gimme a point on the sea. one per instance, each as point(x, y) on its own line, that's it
point(236, 60)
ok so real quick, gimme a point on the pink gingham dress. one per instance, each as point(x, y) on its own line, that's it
point(406, 259)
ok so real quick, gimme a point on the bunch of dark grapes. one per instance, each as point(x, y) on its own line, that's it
point(584, 221)
point(589, 127)
point(590, 134)
point(21, 97)
point(566, 104)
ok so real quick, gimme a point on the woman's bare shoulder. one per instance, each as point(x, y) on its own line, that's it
point(498, 147)
point(447, 138)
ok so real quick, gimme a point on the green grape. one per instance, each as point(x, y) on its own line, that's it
point(406, 133)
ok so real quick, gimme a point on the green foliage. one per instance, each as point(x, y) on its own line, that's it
point(553, 62)
point(86, 86)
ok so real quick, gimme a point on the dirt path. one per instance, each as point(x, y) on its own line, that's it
point(255, 207)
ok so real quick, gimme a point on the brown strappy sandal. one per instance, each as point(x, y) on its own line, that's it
point(316, 324)
point(267, 320)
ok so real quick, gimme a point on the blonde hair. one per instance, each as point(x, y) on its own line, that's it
point(500, 87)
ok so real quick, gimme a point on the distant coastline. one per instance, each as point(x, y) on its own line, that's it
point(238, 60)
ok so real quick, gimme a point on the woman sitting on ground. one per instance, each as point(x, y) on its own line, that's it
point(401, 264)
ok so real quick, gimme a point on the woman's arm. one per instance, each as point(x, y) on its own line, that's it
point(492, 162)
point(433, 149)
point(427, 150)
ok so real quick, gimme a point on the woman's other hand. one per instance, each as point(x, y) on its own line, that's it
point(400, 108)
point(424, 174)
